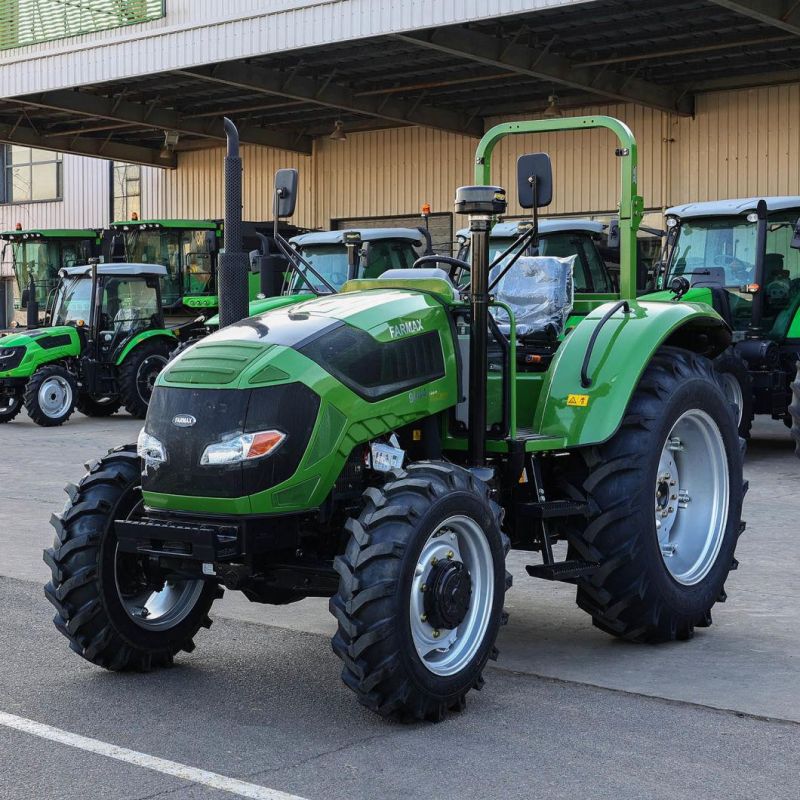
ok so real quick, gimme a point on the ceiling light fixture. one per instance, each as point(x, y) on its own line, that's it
point(170, 143)
point(552, 109)
point(338, 134)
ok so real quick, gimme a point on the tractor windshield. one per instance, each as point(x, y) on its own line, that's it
point(722, 250)
point(727, 244)
point(42, 259)
point(331, 261)
point(128, 304)
point(184, 253)
point(73, 303)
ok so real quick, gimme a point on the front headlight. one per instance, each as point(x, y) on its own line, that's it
point(150, 449)
point(244, 447)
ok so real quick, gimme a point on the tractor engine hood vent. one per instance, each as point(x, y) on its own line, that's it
point(186, 421)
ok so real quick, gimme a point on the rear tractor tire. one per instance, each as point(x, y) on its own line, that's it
point(676, 452)
point(422, 584)
point(737, 385)
point(10, 406)
point(138, 373)
point(794, 410)
point(50, 395)
point(113, 610)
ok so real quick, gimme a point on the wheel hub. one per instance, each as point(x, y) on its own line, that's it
point(449, 592)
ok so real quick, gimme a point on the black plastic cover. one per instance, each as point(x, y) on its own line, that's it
point(219, 414)
point(11, 357)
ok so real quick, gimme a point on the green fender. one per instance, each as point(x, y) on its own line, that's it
point(163, 333)
point(42, 346)
point(580, 416)
point(266, 304)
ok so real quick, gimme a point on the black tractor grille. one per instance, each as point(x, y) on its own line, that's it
point(11, 357)
point(291, 408)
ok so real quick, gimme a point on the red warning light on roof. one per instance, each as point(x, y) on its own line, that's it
point(18, 226)
point(426, 209)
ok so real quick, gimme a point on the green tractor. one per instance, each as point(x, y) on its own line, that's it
point(794, 411)
point(189, 249)
point(741, 257)
point(103, 344)
point(37, 256)
point(385, 446)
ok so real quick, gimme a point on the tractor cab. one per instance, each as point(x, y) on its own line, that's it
point(754, 284)
point(339, 256)
point(189, 251)
point(37, 256)
point(121, 302)
point(558, 238)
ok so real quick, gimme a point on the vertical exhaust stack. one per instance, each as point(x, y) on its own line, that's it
point(233, 283)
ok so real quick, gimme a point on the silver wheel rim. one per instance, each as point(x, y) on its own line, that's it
point(691, 497)
point(732, 390)
point(158, 610)
point(458, 539)
point(55, 396)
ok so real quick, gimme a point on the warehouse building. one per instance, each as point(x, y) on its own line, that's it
point(109, 108)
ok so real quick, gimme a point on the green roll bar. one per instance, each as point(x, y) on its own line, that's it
point(631, 204)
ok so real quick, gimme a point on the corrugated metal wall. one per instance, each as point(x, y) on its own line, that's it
point(85, 203)
point(740, 143)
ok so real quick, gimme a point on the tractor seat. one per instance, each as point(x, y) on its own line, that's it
point(540, 292)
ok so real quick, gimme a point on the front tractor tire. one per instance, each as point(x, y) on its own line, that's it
point(138, 373)
point(112, 609)
point(666, 497)
point(50, 395)
point(421, 590)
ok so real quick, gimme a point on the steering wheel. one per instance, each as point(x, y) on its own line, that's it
point(739, 269)
point(453, 263)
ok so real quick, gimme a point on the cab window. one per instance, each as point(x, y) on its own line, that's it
point(388, 254)
point(128, 304)
point(781, 275)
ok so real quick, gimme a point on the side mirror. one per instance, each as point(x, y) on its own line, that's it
point(535, 180)
point(118, 247)
point(24, 297)
point(795, 245)
point(285, 192)
point(614, 238)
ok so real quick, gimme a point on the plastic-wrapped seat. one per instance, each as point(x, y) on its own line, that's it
point(540, 292)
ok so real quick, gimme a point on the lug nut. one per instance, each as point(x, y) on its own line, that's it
point(450, 554)
point(423, 618)
point(423, 588)
point(436, 634)
point(434, 561)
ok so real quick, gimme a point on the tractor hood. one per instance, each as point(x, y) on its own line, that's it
point(21, 353)
point(328, 373)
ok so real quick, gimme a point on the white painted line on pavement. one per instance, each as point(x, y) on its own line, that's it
point(181, 771)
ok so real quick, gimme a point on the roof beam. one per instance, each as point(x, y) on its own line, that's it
point(547, 66)
point(119, 110)
point(86, 146)
point(333, 95)
point(783, 14)
point(748, 81)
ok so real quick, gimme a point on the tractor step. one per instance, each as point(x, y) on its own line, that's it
point(563, 570)
point(553, 509)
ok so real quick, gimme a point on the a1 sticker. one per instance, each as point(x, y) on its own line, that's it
point(578, 400)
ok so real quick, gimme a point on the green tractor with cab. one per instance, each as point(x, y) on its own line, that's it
point(189, 249)
point(741, 257)
point(37, 256)
point(103, 344)
point(385, 445)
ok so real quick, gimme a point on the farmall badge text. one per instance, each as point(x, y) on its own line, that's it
point(405, 328)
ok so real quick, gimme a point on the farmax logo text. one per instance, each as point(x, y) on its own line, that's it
point(405, 328)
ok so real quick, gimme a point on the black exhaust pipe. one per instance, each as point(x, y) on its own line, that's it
point(232, 277)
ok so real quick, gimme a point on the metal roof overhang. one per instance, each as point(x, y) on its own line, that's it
point(448, 78)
